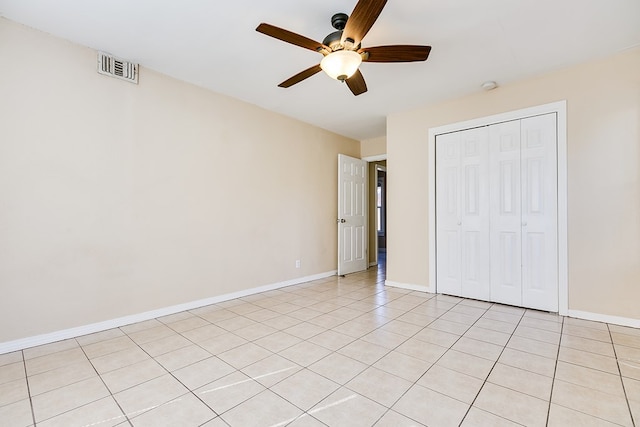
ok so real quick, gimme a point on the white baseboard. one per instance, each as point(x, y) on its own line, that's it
point(408, 286)
point(605, 318)
point(373, 264)
point(22, 343)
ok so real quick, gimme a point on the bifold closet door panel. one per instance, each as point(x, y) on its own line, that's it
point(462, 212)
point(474, 220)
point(505, 216)
point(448, 213)
point(539, 212)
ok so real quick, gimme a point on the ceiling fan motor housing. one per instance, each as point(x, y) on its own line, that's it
point(334, 40)
point(339, 21)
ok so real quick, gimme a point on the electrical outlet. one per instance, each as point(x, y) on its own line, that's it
point(297, 263)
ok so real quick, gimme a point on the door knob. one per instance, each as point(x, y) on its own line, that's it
point(459, 222)
point(342, 220)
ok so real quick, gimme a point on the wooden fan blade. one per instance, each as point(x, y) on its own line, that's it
point(289, 37)
point(301, 76)
point(361, 20)
point(356, 83)
point(396, 53)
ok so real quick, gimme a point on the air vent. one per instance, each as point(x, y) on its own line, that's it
point(115, 67)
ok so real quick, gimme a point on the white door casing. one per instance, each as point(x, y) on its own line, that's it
point(352, 215)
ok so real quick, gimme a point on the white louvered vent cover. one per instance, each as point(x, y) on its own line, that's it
point(114, 67)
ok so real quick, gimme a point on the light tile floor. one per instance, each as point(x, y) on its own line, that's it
point(334, 352)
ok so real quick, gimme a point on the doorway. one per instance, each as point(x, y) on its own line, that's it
point(377, 209)
point(381, 213)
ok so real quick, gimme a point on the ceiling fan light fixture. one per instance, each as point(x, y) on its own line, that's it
point(341, 64)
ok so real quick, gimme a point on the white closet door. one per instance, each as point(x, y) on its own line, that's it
point(505, 218)
point(539, 213)
point(496, 213)
point(463, 213)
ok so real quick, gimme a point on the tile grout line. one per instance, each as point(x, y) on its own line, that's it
point(26, 378)
point(393, 349)
point(555, 370)
point(228, 331)
point(72, 383)
point(124, 414)
point(306, 412)
point(331, 329)
point(252, 341)
point(491, 370)
point(189, 391)
point(432, 364)
point(450, 348)
point(624, 388)
point(147, 381)
point(340, 386)
point(593, 368)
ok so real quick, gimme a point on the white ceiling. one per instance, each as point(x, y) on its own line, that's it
point(213, 44)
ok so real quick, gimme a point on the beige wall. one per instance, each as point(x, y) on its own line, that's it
point(603, 114)
point(373, 147)
point(116, 199)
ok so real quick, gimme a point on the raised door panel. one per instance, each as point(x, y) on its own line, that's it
point(505, 222)
point(539, 213)
point(346, 210)
point(359, 212)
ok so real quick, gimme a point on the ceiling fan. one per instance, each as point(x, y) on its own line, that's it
point(342, 49)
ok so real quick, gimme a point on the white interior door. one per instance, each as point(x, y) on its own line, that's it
point(539, 213)
point(352, 215)
point(463, 213)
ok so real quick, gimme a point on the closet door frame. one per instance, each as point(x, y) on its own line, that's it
point(560, 109)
